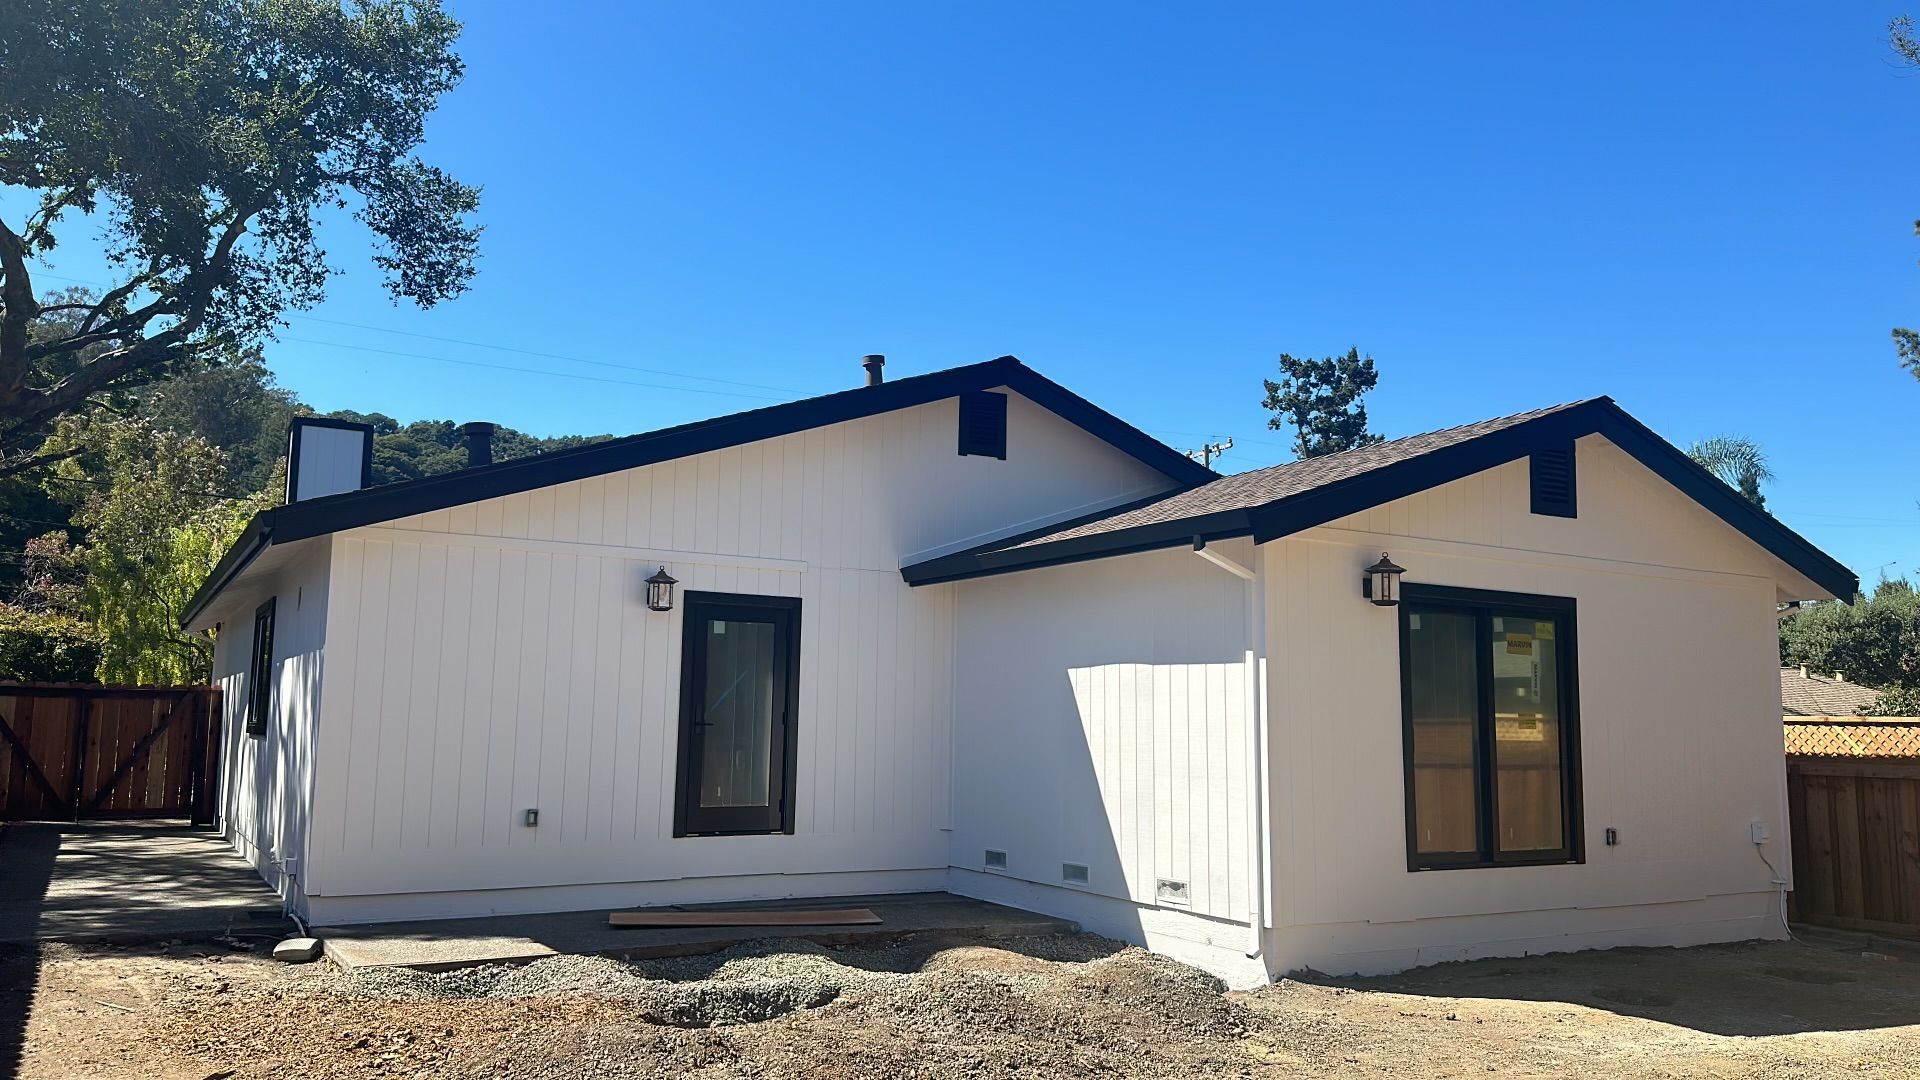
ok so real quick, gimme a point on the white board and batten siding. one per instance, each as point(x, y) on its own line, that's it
point(499, 656)
point(1679, 748)
point(267, 780)
point(1101, 720)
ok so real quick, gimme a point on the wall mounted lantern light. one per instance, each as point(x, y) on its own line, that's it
point(660, 590)
point(1382, 583)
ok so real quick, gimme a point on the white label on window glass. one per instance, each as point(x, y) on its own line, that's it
point(1413, 622)
point(719, 626)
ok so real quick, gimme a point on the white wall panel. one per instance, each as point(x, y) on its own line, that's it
point(1100, 719)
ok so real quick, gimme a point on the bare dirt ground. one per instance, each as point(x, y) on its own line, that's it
point(941, 1006)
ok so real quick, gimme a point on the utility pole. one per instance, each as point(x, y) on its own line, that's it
point(1209, 451)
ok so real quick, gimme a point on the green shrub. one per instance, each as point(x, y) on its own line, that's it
point(38, 647)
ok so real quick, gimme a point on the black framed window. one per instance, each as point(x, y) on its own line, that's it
point(1490, 696)
point(739, 682)
point(260, 694)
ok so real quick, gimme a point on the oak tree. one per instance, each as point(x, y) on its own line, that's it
point(201, 142)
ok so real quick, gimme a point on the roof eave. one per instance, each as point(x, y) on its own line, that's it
point(1296, 513)
point(1221, 525)
point(369, 506)
point(256, 538)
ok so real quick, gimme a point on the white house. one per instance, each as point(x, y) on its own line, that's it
point(1064, 668)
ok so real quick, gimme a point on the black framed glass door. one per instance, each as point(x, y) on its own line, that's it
point(739, 667)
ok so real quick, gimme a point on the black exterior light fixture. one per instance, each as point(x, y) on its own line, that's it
point(1382, 583)
point(660, 590)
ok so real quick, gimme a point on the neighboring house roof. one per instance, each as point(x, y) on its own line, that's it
point(1270, 503)
point(1805, 694)
point(388, 502)
point(1857, 737)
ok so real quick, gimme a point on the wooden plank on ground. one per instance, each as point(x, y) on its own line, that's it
point(820, 917)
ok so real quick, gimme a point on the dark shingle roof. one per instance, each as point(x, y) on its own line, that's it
point(1270, 503)
point(1803, 693)
point(1261, 486)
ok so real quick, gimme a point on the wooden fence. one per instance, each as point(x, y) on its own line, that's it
point(71, 751)
point(1856, 842)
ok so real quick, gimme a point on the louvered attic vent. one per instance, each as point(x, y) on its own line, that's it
point(983, 424)
point(1553, 482)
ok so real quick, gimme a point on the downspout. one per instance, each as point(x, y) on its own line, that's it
point(1256, 723)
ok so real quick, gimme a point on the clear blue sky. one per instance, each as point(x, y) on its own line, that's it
point(1705, 213)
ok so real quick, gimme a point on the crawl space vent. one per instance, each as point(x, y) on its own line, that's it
point(1073, 873)
point(995, 860)
point(1173, 892)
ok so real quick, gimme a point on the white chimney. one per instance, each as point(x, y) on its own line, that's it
point(327, 457)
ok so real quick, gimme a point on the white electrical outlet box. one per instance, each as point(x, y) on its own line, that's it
point(1757, 832)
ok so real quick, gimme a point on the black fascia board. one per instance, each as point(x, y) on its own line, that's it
point(996, 559)
point(1676, 468)
point(1109, 428)
point(254, 539)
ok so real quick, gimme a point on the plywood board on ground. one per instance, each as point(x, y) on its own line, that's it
point(819, 917)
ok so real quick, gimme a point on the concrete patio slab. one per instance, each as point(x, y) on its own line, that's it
point(125, 881)
point(442, 944)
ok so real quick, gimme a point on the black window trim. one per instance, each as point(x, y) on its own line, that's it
point(694, 607)
point(260, 670)
point(1483, 603)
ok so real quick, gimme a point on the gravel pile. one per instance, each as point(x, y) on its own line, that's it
point(945, 1006)
point(748, 983)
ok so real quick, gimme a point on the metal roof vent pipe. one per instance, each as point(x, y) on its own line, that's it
point(873, 362)
point(479, 435)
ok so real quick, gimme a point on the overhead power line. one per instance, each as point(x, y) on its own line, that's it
point(513, 349)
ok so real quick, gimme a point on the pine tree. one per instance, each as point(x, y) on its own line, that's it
point(1320, 400)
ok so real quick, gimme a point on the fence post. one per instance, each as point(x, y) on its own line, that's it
point(76, 787)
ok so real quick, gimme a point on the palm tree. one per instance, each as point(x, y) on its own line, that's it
point(1739, 462)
